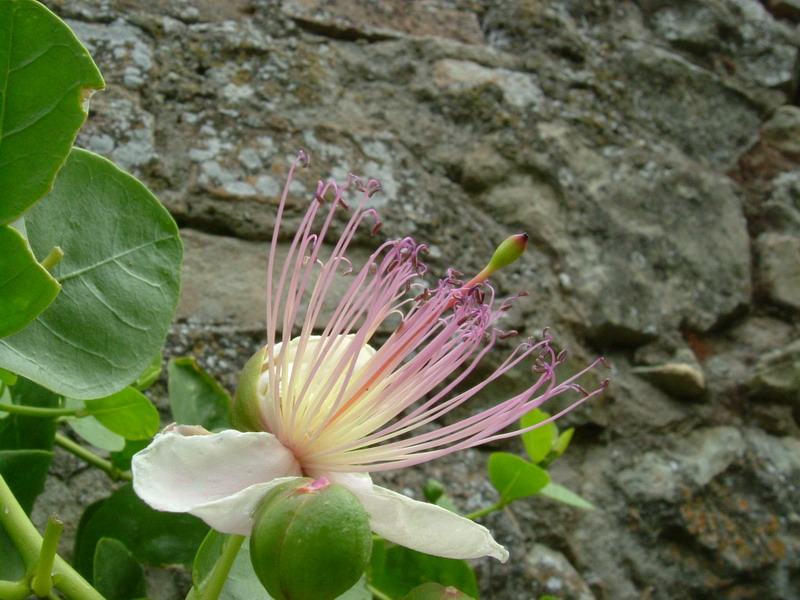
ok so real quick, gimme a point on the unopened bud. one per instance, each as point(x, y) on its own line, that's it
point(311, 540)
point(436, 591)
point(508, 251)
point(245, 413)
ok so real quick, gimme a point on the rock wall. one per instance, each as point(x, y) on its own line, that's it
point(652, 150)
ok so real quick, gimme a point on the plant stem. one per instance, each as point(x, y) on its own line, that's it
point(42, 581)
point(210, 589)
point(90, 457)
point(482, 512)
point(37, 411)
point(14, 590)
point(29, 543)
point(52, 259)
point(377, 593)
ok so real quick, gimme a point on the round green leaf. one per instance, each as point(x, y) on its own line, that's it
point(46, 76)
point(120, 276)
point(515, 477)
point(117, 574)
point(26, 288)
point(98, 435)
point(154, 538)
point(128, 413)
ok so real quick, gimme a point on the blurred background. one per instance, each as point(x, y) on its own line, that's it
point(650, 148)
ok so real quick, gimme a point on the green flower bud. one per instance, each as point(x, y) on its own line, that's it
point(311, 540)
point(436, 591)
point(245, 414)
point(508, 251)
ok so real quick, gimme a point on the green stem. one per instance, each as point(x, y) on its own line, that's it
point(51, 260)
point(377, 593)
point(211, 588)
point(29, 543)
point(90, 457)
point(14, 590)
point(42, 581)
point(482, 512)
point(37, 411)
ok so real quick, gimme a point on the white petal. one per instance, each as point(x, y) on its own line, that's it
point(187, 469)
point(420, 525)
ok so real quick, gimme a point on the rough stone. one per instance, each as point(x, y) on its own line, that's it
point(779, 267)
point(782, 131)
point(554, 575)
point(777, 375)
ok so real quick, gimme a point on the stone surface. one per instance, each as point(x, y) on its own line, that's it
point(779, 256)
point(648, 149)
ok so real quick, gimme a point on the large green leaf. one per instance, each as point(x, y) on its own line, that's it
point(26, 288)
point(155, 538)
point(46, 76)
point(515, 477)
point(195, 398)
point(117, 575)
point(120, 275)
point(25, 472)
point(396, 570)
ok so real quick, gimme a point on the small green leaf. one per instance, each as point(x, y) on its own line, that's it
point(155, 538)
point(562, 494)
point(7, 377)
point(128, 413)
point(25, 472)
point(538, 442)
point(122, 458)
point(195, 397)
point(26, 288)
point(120, 280)
point(515, 477)
point(150, 374)
point(45, 80)
point(562, 443)
point(396, 570)
point(117, 575)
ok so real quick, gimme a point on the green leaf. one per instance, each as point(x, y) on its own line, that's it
point(29, 433)
point(128, 413)
point(117, 575)
point(46, 76)
point(26, 288)
point(515, 477)
point(195, 398)
point(122, 458)
point(562, 443)
point(155, 538)
point(396, 570)
point(562, 494)
point(7, 377)
point(120, 276)
point(97, 434)
point(538, 442)
point(25, 472)
point(436, 591)
point(150, 374)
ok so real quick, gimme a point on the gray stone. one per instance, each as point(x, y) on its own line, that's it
point(779, 268)
point(553, 575)
point(783, 130)
point(777, 375)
